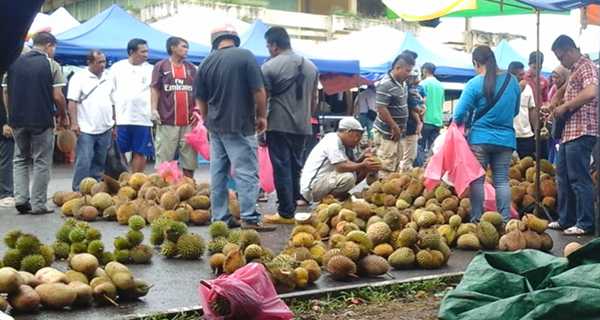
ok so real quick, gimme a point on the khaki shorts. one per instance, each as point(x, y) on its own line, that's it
point(389, 152)
point(409, 148)
point(334, 183)
point(169, 140)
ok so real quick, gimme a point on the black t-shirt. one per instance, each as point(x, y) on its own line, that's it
point(227, 80)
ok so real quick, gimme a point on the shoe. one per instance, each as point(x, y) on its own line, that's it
point(23, 208)
point(8, 202)
point(555, 225)
point(277, 219)
point(42, 211)
point(302, 216)
point(258, 226)
point(575, 231)
point(301, 203)
point(233, 223)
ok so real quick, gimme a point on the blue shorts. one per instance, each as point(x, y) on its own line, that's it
point(137, 139)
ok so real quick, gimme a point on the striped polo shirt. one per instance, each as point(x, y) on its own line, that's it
point(393, 95)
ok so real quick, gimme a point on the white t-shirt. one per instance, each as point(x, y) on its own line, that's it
point(366, 101)
point(521, 121)
point(94, 106)
point(131, 93)
point(322, 160)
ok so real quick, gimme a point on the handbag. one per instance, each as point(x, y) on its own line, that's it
point(474, 116)
point(115, 161)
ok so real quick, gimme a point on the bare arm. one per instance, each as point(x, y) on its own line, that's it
point(386, 117)
point(260, 99)
point(154, 94)
point(558, 96)
point(314, 103)
point(203, 107)
point(73, 115)
point(349, 166)
point(5, 97)
point(61, 103)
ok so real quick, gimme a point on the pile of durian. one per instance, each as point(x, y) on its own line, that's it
point(523, 188)
point(26, 252)
point(84, 285)
point(148, 196)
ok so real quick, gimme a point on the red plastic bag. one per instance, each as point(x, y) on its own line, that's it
point(250, 293)
point(170, 171)
point(265, 170)
point(198, 139)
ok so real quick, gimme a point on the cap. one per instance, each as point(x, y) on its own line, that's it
point(225, 31)
point(350, 123)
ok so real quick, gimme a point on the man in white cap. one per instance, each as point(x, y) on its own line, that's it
point(331, 168)
point(231, 95)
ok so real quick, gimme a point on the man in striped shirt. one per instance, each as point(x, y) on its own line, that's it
point(392, 114)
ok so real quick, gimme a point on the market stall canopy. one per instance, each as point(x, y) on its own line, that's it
point(505, 54)
point(254, 40)
point(59, 21)
point(109, 31)
point(179, 23)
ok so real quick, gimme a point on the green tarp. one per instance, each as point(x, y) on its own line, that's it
point(527, 285)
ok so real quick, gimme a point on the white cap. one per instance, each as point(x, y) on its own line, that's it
point(350, 123)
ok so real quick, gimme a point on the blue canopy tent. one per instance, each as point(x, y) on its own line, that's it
point(505, 54)
point(109, 31)
point(448, 69)
point(254, 40)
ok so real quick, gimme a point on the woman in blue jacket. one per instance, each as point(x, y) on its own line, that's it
point(488, 104)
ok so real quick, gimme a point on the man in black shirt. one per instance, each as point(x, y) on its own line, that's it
point(33, 86)
point(231, 96)
point(7, 146)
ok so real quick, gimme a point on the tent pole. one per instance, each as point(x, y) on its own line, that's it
point(538, 98)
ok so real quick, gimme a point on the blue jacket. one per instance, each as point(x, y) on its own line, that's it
point(496, 126)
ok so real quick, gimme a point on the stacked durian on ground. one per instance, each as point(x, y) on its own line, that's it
point(148, 196)
point(523, 187)
point(84, 285)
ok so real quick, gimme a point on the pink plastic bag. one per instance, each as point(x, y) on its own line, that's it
point(454, 159)
point(198, 139)
point(265, 170)
point(170, 171)
point(250, 293)
point(489, 202)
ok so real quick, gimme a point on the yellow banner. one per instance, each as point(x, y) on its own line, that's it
point(419, 10)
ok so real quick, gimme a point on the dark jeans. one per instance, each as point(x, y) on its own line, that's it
point(575, 187)
point(526, 147)
point(428, 135)
point(90, 156)
point(7, 151)
point(286, 151)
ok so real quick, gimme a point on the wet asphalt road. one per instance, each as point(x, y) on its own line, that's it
point(175, 281)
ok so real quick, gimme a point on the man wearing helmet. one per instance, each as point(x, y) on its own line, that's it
point(231, 95)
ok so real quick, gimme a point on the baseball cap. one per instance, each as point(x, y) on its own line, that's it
point(350, 123)
point(224, 31)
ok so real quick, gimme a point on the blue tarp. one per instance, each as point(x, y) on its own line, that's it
point(109, 31)
point(254, 40)
point(505, 54)
point(448, 68)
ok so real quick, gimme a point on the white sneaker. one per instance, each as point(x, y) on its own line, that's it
point(555, 225)
point(8, 202)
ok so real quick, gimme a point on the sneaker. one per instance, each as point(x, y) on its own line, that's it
point(302, 216)
point(258, 226)
point(23, 208)
point(555, 225)
point(301, 203)
point(233, 223)
point(575, 231)
point(8, 202)
point(42, 211)
point(277, 219)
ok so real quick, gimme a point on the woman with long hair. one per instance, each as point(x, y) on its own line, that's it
point(487, 105)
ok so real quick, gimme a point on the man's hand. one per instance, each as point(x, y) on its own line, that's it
point(370, 165)
point(396, 133)
point(194, 118)
point(63, 121)
point(546, 111)
point(155, 116)
point(7, 131)
point(262, 139)
point(75, 128)
point(261, 124)
point(560, 111)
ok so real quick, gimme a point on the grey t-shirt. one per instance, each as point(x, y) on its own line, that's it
point(393, 95)
point(286, 113)
point(227, 80)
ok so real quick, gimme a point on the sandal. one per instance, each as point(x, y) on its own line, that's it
point(575, 231)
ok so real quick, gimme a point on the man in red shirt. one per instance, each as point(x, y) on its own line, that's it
point(531, 74)
point(173, 106)
point(580, 112)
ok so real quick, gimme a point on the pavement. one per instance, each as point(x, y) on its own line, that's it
point(176, 281)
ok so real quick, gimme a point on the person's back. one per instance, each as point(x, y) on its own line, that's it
point(435, 101)
point(495, 126)
point(230, 86)
point(287, 113)
point(30, 84)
